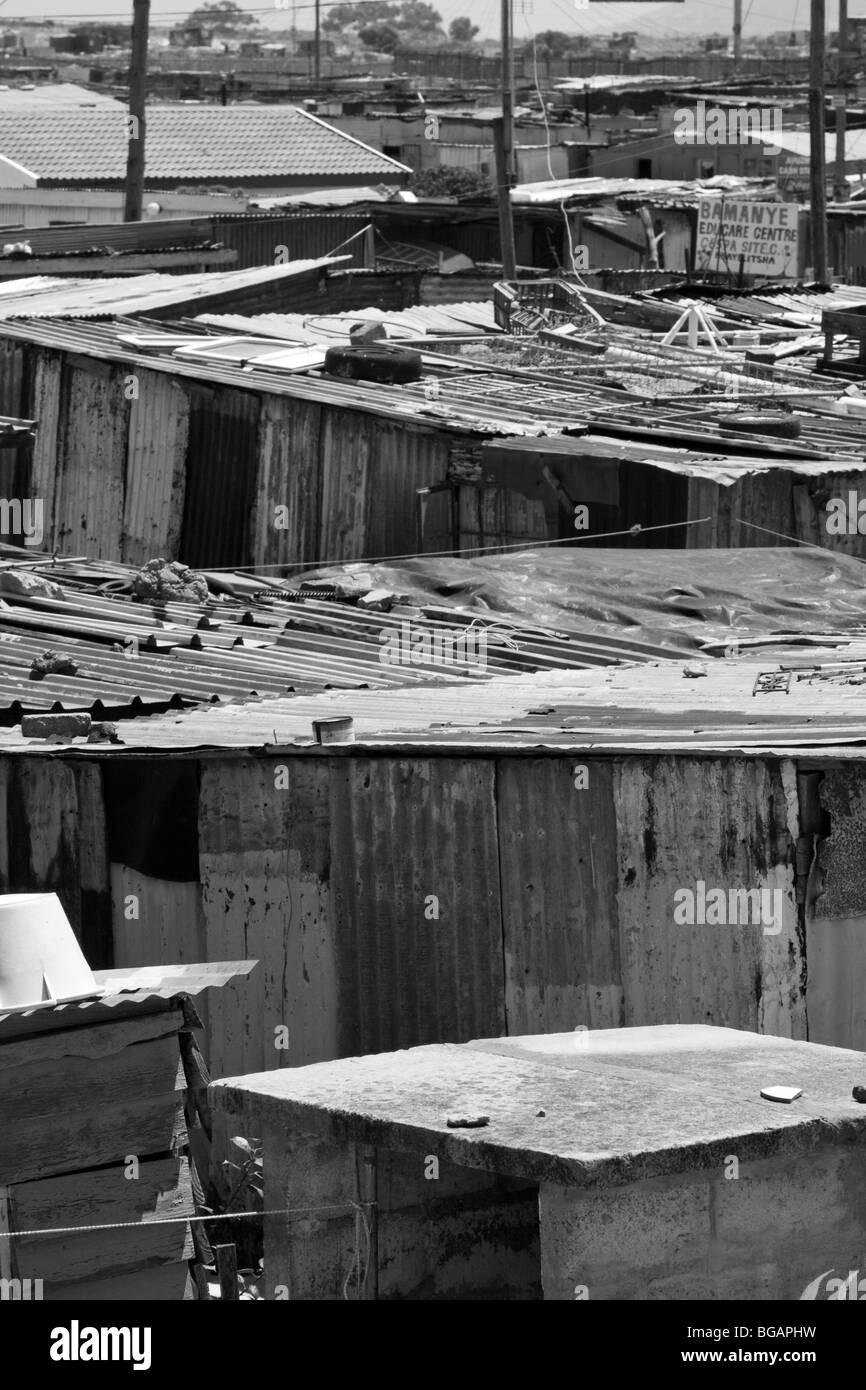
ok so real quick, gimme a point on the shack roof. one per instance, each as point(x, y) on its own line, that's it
point(87, 146)
point(789, 625)
point(49, 297)
point(607, 1105)
point(127, 991)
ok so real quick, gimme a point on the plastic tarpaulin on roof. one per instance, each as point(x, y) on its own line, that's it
point(678, 597)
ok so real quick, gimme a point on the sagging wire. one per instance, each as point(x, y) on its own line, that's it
point(553, 178)
point(635, 530)
point(344, 1207)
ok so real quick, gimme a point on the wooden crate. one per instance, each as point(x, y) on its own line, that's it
point(91, 1100)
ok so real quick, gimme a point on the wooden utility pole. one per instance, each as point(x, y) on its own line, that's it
point(317, 45)
point(503, 202)
point(818, 171)
point(508, 89)
point(738, 32)
point(503, 148)
point(840, 187)
point(134, 193)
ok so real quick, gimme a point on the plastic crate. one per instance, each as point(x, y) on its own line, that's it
point(525, 306)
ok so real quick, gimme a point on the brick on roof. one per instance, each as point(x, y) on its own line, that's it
point(88, 145)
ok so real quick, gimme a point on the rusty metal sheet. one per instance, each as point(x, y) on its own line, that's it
point(416, 902)
point(155, 466)
point(12, 367)
point(836, 952)
point(729, 825)
point(348, 441)
point(400, 464)
point(308, 235)
point(288, 476)
point(842, 853)
point(91, 459)
point(45, 407)
point(557, 848)
point(265, 864)
point(52, 840)
point(222, 450)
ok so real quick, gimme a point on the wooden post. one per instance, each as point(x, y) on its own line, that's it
point(503, 200)
point(738, 33)
point(507, 91)
point(134, 192)
point(818, 219)
point(227, 1267)
point(840, 187)
point(370, 1199)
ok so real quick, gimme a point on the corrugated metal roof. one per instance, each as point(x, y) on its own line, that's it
point(133, 656)
point(684, 191)
point(650, 708)
point(47, 297)
point(458, 320)
point(126, 988)
point(502, 400)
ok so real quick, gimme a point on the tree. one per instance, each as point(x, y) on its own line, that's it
point(414, 21)
point(447, 182)
point(554, 43)
point(419, 18)
point(462, 30)
point(383, 38)
point(359, 17)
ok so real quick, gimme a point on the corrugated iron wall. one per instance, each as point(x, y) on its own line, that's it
point(15, 464)
point(765, 509)
point(132, 463)
point(221, 465)
point(394, 901)
point(289, 476)
point(306, 235)
point(91, 459)
point(47, 379)
point(155, 467)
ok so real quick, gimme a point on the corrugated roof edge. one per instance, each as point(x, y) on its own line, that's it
point(134, 986)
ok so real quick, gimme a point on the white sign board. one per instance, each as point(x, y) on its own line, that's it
point(763, 235)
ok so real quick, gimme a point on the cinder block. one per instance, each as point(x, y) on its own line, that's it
point(621, 1238)
point(55, 725)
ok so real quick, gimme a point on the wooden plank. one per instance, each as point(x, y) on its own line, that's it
point(162, 1284)
point(227, 1269)
point(97, 1042)
point(64, 1111)
point(162, 1190)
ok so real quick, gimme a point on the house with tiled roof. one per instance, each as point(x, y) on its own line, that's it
point(259, 148)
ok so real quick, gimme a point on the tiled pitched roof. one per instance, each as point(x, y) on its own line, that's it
point(88, 145)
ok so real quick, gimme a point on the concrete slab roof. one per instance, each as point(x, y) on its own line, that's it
point(611, 1106)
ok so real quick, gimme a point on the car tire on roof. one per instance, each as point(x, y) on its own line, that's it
point(374, 363)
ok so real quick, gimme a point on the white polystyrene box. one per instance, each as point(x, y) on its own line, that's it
point(41, 961)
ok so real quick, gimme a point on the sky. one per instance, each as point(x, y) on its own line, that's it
point(690, 17)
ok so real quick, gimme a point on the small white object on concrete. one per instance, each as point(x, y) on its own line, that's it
point(782, 1093)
